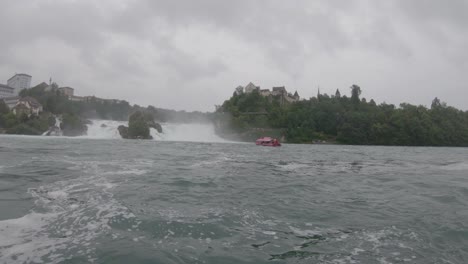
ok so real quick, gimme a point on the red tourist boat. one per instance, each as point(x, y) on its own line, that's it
point(268, 141)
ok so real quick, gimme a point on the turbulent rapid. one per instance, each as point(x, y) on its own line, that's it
point(107, 129)
point(77, 200)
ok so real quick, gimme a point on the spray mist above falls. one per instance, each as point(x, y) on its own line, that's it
point(108, 129)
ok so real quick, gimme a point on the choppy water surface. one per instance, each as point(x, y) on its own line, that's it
point(114, 201)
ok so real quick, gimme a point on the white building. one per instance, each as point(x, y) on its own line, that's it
point(280, 90)
point(6, 91)
point(75, 98)
point(11, 101)
point(265, 92)
point(67, 91)
point(251, 87)
point(20, 81)
point(27, 105)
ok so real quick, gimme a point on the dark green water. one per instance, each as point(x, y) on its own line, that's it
point(113, 201)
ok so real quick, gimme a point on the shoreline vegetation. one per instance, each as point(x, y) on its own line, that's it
point(75, 115)
point(338, 119)
point(324, 119)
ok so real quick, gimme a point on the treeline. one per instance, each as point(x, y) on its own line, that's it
point(95, 108)
point(22, 124)
point(349, 120)
point(74, 114)
point(56, 103)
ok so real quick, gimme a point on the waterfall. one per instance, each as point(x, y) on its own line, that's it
point(58, 123)
point(107, 129)
point(54, 130)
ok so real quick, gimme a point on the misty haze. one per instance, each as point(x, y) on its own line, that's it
point(138, 131)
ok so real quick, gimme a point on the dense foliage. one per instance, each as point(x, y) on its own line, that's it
point(347, 120)
point(139, 124)
point(22, 124)
point(56, 103)
point(74, 113)
point(95, 108)
point(72, 125)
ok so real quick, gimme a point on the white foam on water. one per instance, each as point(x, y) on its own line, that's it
point(104, 129)
point(357, 251)
point(306, 232)
point(293, 166)
point(188, 132)
point(127, 172)
point(197, 214)
point(68, 219)
point(57, 195)
point(364, 246)
point(458, 166)
point(22, 241)
point(212, 162)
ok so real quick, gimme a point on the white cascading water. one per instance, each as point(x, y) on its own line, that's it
point(104, 129)
point(58, 123)
point(107, 129)
point(54, 130)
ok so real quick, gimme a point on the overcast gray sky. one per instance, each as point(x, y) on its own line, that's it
point(192, 54)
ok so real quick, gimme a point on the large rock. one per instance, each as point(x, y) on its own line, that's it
point(155, 125)
point(123, 131)
point(139, 125)
point(73, 125)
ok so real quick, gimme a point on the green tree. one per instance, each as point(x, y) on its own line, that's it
point(355, 93)
point(138, 126)
point(3, 108)
point(337, 93)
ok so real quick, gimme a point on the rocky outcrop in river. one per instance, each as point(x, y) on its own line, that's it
point(139, 125)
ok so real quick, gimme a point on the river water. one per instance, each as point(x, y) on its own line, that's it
point(81, 200)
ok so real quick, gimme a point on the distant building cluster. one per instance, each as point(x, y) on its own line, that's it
point(279, 91)
point(70, 93)
point(19, 82)
point(9, 93)
point(6, 91)
point(15, 84)
point(90, 99)
point(67, 91)
point(27, 105)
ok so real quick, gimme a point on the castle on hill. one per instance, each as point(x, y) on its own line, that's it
point(279, 91)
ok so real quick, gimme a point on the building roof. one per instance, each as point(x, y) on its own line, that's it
point(20, 106)
point(279, 88)
point(10, 98)
point(66, 87)
point(42, 84)
point(20, 74)
point(31, 100)
point(6, 86)
point(251, 86)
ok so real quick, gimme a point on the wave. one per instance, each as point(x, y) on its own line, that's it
point(68, 218)
point(456, 166)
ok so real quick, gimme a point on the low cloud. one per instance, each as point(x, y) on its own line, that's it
point(191, 54)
